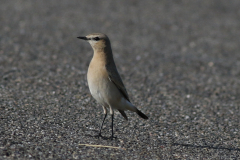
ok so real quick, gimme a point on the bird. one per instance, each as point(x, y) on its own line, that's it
point(104, 81)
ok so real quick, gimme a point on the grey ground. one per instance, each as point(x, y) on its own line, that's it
point(179, 60)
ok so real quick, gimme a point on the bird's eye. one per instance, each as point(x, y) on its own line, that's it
point(96, 38)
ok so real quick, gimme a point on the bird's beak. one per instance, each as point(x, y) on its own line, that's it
point(84, 38)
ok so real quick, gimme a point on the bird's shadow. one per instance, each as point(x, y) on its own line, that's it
point(173, 144)
point(100, 136)
point(204, 146)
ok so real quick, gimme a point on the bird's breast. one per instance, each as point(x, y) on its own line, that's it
point(97, 80)
point(101, 88)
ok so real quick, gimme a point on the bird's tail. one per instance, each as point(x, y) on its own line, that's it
point(142, 115)
point(123, 114)
point(129, 106)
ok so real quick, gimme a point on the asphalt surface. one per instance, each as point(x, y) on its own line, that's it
point(179, 60)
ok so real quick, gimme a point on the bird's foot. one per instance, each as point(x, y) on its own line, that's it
point(105, 138)
point(100, 135)
point(112, 137)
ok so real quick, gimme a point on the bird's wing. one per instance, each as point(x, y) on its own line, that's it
point(114, 77)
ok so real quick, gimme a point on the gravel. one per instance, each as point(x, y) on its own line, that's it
point(179, 60)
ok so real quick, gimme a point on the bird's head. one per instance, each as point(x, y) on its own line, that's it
point(98, 41)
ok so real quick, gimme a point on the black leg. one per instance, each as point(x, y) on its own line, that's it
point(112, 126)
point(99, 135)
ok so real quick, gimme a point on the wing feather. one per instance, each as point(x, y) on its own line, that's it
point(114, 77)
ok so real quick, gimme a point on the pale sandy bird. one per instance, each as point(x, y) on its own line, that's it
point(104, 81)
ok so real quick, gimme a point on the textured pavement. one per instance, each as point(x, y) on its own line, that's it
point(179, 60)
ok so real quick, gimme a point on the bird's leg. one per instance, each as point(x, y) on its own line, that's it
point(112, 127)
point(112, 114)
point(99, 135)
